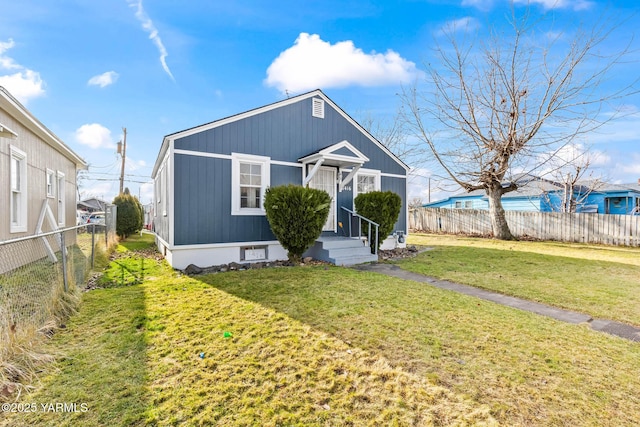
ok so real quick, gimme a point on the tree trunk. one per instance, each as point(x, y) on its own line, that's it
point(499, 224)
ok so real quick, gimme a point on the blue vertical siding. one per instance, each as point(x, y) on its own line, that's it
point(287, 134)
point(345, 198)
point(202, 206)
point(522, 204)
point(203, 185)
point(399, 186)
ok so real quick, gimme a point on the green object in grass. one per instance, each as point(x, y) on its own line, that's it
point(227, 335)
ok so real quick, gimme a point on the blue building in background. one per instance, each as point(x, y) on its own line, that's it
point(536, 194)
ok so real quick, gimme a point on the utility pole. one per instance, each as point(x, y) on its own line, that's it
point(124, 156)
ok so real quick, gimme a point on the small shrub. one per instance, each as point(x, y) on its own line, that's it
point(382, 207)
point(296, 216)
point(130, 214)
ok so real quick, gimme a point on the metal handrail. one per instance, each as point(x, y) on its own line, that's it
point(360, 218)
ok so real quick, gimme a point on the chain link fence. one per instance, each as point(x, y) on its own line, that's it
point(40, 280)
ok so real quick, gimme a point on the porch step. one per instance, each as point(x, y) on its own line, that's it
point(341, 251)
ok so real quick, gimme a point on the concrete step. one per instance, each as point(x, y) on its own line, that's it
point(341, 251)
point(352, 251)
point(353, 260)
point(339, 242)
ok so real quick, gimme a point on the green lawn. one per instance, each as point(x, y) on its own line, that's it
point(326, 346)
point(601, 281)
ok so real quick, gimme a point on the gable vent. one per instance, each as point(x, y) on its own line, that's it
point(318, 108)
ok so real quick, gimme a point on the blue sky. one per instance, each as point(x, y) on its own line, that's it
point(88, 68)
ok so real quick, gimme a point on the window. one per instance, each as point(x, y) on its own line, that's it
point(366, 181)
point(60, 193)
point(18, 200)
point(250, 185)
point(318, 108)
point(458, 205)
point(50, 183)
point(366, 184)
point(250, 179)
point(468, 204)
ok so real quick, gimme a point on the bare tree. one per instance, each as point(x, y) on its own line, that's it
point(391, 133)
point(574, 176)
point(509, 104)
point(415, 203)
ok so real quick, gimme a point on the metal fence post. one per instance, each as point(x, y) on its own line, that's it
point(63, 247)
point(107, 221)
point(93, 245)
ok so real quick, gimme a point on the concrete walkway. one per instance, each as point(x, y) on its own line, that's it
point(609, 326)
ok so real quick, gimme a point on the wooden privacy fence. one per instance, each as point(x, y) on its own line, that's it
point(622, 230)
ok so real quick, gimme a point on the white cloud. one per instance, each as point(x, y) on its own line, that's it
point(478, 4)
point(100, 189)
point(25, 84)
point(465, 25)
point(6, 62)
point(95, 136)
point(147, 25)
point(132, 165)
point(146, 192)
point(313, 63)
point(104, 79)
point(559, 4)
point(630, 166)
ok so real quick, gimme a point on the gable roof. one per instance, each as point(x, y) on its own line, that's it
point(240, 116)
point(341, 153)
point(13, 107)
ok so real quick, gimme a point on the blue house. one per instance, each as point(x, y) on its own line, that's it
point(210, 180)
point(529, 197)
point(535, 194)
point(614, 199)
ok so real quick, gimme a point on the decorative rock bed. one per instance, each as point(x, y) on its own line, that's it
point(192, 270)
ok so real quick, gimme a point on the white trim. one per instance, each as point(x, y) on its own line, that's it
point(45, 212)
point(393, 175)
point(367, 172)
point(60, 198)
point(265, 163)
point(5, 132)
point(328, 153)
point(312, 172)
point(317, 108)
point(20, 226)
point(386, 175)
point(281, 163)
point(346, 180)
point(170, 195)
point(219, 245)
point(202, 154)
point(229, 157)
point(334, 199)
point(216, 253)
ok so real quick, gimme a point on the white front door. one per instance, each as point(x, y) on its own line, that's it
point(325, 179)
